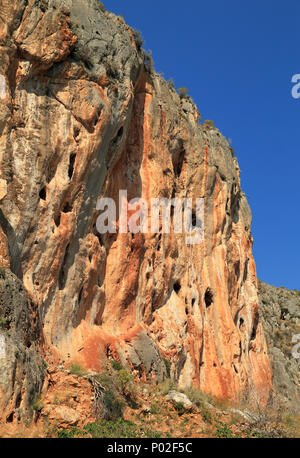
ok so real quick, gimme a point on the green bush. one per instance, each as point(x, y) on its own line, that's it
point(116, 365)
point(37, 404)
point(119, 429)
point(166, 386)
point(77, 369)
point(179, 407)
point(2, 273)
point(4, 323)
point(148, 62)
point(138, 39)
point(102, 7)
point(196, 396)
point(183, 92)
point(207, 416)
point(155, 409)
point(168, 366)
point(209, 123)
point(224, 431)
point(125, 378)
point(171, 84)
point(112, 405)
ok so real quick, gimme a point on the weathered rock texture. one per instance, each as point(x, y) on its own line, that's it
point(22, 369)
point(280, 312)
point(82, 117)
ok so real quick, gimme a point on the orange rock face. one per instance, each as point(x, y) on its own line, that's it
point(85, 118)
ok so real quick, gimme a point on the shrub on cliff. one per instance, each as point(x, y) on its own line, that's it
point(148, 62)
point(102, 7)
point(183, 92)
point(209, 123)
point(138, 39)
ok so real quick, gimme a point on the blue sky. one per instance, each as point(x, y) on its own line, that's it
point(237, 59)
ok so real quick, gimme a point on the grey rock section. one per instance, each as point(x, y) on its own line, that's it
point(280, 313)
point(21, 366)
point(179, 398)
point(143, 353)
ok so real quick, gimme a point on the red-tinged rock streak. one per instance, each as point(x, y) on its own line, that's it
point(84, 118)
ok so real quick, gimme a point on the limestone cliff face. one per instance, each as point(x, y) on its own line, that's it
point(82, 117)
point(280, 313)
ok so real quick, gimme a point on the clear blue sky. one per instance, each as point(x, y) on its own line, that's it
point(237, 59)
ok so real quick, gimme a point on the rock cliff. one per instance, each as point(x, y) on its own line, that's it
point(82, 116)
point(280, 313)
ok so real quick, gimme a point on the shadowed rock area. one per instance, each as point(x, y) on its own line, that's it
point(280, 311)
point(22, 368)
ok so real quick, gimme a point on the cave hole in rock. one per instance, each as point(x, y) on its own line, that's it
point(71, 165)
point(177, 287)
point(80, 296)
point(18, 400)
point(208, 297)
point(10, 418)
point(62, 274)
point(178, 160)
point(283, 314)
point(43, 194)
point(193, 301)
point(98, 235)
point(57, 220)
point(120, 132)
point(254, 328)
point(241, 322)
point(76, 132)
point(194, 218)
point(67, 208)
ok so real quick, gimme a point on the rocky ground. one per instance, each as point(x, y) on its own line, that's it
point(79, 404)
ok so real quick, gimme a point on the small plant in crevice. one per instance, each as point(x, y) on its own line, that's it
point(2, 273)
point(37, 404)
point(208, 123)
point(171, 84)
point(125, 378)
point(168, 366)
point(148, 61)
point(138, 39)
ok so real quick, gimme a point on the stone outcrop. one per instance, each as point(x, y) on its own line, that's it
point(280, 313)
point(83, 115)
point(22, 369)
